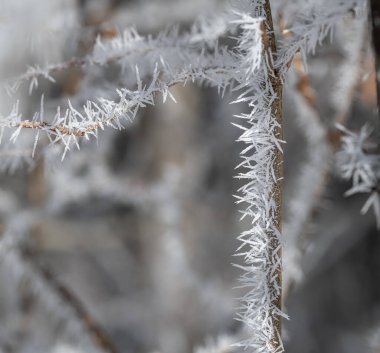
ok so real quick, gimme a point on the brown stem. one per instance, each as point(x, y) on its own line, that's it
point(375, 15)
point(57, 129)
point(270, 51)
point(97, 333)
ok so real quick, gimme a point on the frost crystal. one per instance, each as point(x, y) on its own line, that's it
point(359, 161)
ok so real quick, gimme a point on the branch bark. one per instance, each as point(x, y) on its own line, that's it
point(270, 51)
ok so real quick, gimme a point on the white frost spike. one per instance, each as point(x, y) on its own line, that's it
point(35, 143)
point(374, 202)
point(138, 79)
point(250, 43)
point(171, 96)
point(42, 108)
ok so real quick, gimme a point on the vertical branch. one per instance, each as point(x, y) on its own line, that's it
point(275, 252)
point(375, 14)
point(262, 192)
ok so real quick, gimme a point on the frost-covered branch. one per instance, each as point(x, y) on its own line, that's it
point(70, 124)
point(359, 161)
point(129, 48)
point(262, 191)
point(149, 64)
point(312, 27)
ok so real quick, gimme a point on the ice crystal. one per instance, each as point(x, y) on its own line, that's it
point(359, 161)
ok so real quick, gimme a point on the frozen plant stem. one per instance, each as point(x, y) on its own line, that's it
point(262, 192)
point(270, 52)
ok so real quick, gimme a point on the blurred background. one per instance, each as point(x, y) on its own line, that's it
point(127, 245)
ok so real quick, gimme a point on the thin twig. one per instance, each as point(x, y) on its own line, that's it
point(270, 51)
point(58, 129)
point(67, 296)
point(26, 258)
